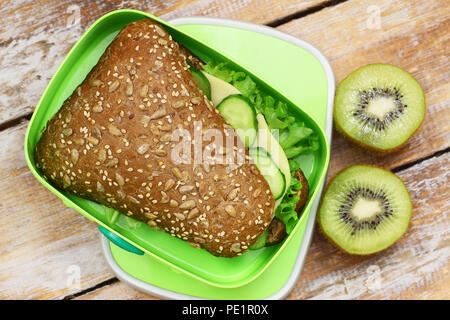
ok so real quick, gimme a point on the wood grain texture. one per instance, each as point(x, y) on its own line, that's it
point(36, 35)
point(41, 255)
point(45, 245)
point(118, 289)
point(412, 35)
point(416, 267)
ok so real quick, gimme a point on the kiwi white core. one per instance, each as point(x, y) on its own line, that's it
point(364, 208)
point(381, 106)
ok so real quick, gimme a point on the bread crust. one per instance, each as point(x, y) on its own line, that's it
point(110, 143)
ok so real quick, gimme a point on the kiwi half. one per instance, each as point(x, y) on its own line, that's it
point(365, 210)
point(379, 107)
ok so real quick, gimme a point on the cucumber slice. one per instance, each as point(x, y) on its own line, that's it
point(273, 175)
point(260, 242)
point(202, 81)
point(241, 115)
point(267, 141)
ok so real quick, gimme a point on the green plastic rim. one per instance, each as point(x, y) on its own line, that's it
point(120, 242)
point(197, 265)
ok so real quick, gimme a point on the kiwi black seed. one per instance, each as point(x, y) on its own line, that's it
point(379, 106)
point(365, 210)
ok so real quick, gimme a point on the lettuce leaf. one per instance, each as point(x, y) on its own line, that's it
point(294, 137)
point(286, 210)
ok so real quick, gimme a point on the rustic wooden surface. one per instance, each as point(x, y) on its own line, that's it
point(46, 246)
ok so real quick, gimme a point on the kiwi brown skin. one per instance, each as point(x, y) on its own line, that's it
point(331, 240)
point(365, 146)
point(277, 229)
point(370, 148)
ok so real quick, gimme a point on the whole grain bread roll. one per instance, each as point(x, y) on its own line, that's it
point(111, 142)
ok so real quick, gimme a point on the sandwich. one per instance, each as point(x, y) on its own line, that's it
point(184, 146)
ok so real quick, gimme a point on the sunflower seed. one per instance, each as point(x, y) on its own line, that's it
point(185, 176)
point(160, 31)
point(74, 156)
point(189, 204)
point(169, 184)
point(143, 148)
point(158, 65)
point(133, 199)
point(92, 140)
point(102, 155)
point(100, 187)
point(161, 112)
point(111, 162)
point(145, 120)
point(196, 100)
point(60, 145)
point(114, 130)
point(96, 83)
point(113, 86)
point(150, 215)
point(129, 90)
point(151, 223)
point(120, 180)
point(66, 181)
point(78, 141)
point(67, 132)
point(199, 240)
point(97, 108)
point(165, 197)
point(193, 213)
point(178, 104)
point(144, 90)
point(160, 152)
point(186, 189)
point(166, 137)
point(205, 166)
point(162, 42)
point(179, 216)
point(230, 210)
point(121, 194)
point(177, 173)
point(97, 132)
point(233, 193)
point(236, 247)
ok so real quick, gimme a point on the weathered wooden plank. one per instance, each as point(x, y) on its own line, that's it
point(48, 250)
point(329, 273)
point(410, 34)
point(416, 267)
point(36, 35)
point(118, 290)
point(38, 251)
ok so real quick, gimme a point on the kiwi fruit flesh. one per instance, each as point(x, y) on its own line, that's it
point(365, 210)
point(379, 107)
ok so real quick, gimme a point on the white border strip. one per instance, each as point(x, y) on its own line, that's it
point(287, 287)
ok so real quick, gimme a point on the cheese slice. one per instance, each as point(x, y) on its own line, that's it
point(266, 140)
point(219, 89)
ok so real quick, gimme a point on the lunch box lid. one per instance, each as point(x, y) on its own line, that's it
point(279, 279)
point(176, 254)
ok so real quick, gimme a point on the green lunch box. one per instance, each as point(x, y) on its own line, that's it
point(137, 237)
